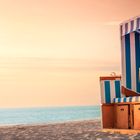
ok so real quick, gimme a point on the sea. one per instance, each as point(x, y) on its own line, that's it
point(19, 116)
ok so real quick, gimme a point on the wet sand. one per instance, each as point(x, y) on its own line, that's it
point(78, 130)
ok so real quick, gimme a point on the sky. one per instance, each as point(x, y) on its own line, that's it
point(52, 52)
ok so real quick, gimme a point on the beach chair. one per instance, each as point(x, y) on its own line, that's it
point(120, 96)
point(130, 52)
point(110, 89)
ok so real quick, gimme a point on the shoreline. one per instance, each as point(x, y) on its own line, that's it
point(74, 130)
point(48, 123)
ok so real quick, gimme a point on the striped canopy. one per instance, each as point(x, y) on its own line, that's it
point(130, 55)
point(130, 26)
point(127, 99)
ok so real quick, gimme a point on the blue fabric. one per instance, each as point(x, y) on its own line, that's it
point(132, 25)
point(119, 100)
point(137, 48)
point(138, 22)
point(107, 91)
point(114, 100)
point(128, 61)
point(124, 100)
point(117, 89)
point(130, 99)
point(126, 28)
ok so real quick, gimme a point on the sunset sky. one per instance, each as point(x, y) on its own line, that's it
point(52, 52)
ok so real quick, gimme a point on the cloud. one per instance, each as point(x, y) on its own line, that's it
point(57, 65)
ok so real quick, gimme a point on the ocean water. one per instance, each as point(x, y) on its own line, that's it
point(48, 115)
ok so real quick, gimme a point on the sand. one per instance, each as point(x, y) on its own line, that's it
point(78, 130)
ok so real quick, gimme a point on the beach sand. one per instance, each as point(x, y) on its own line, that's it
point(78, 130)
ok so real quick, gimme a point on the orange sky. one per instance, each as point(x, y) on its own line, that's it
point(53, 51)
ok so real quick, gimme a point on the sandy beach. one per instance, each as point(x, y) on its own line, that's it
point(78, 130)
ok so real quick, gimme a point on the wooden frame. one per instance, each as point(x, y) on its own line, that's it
point(121, 115)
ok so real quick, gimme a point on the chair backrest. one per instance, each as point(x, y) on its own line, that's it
point(110, 88)
point(130, 50)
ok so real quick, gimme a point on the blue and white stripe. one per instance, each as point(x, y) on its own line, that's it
point(127, 99)
point(130, 49)
point(110, 89)
point(130, 26)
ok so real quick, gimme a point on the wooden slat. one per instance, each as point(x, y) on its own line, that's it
point(136, 116)
point(122, 116)
point(110, 78)
point(108, 116)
